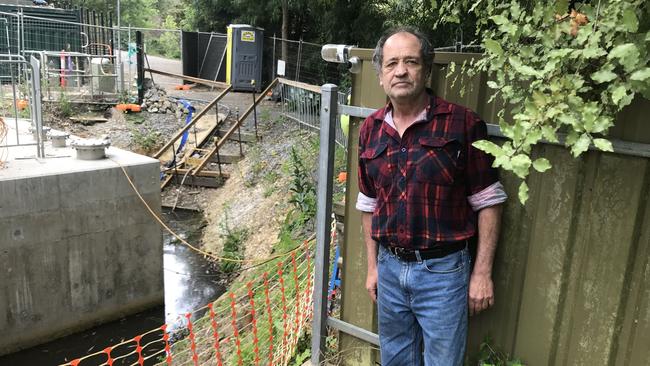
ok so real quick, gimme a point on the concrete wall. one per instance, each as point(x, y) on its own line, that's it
point(77, 247)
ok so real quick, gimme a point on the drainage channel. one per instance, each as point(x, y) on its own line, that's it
point(190, 283)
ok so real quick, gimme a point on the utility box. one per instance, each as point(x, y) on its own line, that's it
point(244, 57)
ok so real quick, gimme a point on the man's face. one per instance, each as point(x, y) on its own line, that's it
point(402, 71)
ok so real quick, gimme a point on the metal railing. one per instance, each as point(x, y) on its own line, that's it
point(301, 103)
point(20, 100)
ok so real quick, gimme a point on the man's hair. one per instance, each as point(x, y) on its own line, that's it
point(426, 50)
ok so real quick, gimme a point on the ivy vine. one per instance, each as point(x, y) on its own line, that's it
point(558, 69)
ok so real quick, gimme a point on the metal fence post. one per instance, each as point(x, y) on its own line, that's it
point(328, 114)
point(37, 117)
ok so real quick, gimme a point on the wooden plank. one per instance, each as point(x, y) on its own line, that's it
point(245, 136)
point(190, 78)
point(235, 126)
point(86, 119)
point(203, 173)
point(196, 118)
point(298, 84)
point(191, 180)
point(198, 136)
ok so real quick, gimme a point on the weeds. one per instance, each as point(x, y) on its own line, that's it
point(490, 356)
point(148, 141)
point(233, 244)
point(303, 190)
point(65, 106)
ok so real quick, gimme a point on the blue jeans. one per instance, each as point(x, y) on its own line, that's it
point(422, 303)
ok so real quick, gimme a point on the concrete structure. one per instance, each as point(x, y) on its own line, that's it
point(77, 246)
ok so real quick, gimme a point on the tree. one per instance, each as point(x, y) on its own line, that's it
point(557, 68)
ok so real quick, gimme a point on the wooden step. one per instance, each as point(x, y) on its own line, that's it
point(245, 136)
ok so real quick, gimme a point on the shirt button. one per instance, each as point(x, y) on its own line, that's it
point(403, 149)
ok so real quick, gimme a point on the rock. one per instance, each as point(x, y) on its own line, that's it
point(153, 110)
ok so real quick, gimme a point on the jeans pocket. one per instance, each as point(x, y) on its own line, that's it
point(452, 263)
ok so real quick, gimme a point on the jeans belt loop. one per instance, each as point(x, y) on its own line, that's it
point(417, 256)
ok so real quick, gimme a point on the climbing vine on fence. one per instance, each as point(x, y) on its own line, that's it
point(561, 71)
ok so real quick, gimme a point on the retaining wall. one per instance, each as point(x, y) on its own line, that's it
point(77, 247)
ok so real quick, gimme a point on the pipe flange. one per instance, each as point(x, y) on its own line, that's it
point(90, 149)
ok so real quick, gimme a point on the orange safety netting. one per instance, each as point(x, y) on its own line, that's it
point(259, 322)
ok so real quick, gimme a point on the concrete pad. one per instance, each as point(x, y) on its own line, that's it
point(77, 246)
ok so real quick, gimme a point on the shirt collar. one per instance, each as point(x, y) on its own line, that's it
point(435, 107)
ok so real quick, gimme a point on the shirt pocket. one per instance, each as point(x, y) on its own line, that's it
point(378, 165)
point(438, 160)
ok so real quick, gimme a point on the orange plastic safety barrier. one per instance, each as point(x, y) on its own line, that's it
point(134, 108)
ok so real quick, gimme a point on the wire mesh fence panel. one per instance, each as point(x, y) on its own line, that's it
point(302, 61)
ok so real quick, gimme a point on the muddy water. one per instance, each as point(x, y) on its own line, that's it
point(190, 283)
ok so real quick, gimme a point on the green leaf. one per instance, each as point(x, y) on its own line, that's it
point(641, 75)
point(489, 147)
point(549, 133)
point(523, 193)
point(627, 55)
point(492, 85)
point(603, 145)
point(493, 47)
point(618, 93)
point(561, 6)
point(603, 76)
point(520, 165)
point(630, 21)
point(541, 165)
point(593, 52)
point(499, 19)
point(581, 145)
point(521, 68)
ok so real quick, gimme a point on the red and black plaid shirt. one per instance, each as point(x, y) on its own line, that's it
point(421, 181)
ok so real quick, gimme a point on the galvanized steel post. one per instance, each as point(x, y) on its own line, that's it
point(328, 112)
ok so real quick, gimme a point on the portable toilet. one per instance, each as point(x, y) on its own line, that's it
point(244, 57)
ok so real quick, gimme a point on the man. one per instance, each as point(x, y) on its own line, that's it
point(425, 192)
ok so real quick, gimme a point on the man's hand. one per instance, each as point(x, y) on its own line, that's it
point(371, 283)
point(481, 293)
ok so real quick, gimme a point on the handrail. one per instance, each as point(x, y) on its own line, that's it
point(192, 122)
point(232, 129)
point(189, 78)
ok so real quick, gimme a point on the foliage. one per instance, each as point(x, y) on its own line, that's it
point(560, 74)
point(136, 13)
point(303, 190)
point(65, 105)
point(168, 43)
point(489, 356)
point(146, 140)
point(233, 244)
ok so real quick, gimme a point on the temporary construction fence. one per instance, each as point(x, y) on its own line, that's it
point(301, 61)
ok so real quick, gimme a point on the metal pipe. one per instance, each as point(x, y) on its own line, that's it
point(328, 115)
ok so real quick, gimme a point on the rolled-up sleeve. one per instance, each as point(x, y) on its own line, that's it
point(366, 199)
point(479, 173)
point(491, 196)
point(365, 203)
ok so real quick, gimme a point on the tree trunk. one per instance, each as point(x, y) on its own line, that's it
point(285, 29)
